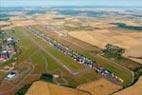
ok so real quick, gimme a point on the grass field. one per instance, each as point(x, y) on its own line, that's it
point(73, 65)
point(92, 75)
point(91, 52)
point(34, 49)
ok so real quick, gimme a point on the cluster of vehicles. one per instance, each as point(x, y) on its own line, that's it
point(78, 57)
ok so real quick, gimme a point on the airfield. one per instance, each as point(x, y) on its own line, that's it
point(37, 56)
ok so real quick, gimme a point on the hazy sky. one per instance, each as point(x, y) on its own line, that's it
point(71, 3)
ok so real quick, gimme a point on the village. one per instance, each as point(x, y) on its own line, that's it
point(8, 47)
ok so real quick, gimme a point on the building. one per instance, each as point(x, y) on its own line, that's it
point(11, 75)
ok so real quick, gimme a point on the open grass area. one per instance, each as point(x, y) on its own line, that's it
point(91, 52)
point(43, 62)
point(73, 65)
point(31, 52)
point(92, 75)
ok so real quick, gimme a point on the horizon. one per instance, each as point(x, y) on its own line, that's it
point(80, 3)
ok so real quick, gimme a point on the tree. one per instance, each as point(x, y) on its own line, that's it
point(23, 90)
point(113, 51)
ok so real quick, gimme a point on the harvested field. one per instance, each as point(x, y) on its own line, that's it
point(23, 22)
point(100, 87)
point(44, 88)
point(136, 89)
point(131, 41)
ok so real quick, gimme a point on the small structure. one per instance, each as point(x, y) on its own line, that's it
point(9, 39)
point(47, 77)
point(11, 75)
point(4, 55)
point(56, 76)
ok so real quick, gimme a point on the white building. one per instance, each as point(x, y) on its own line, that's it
point(11, 75)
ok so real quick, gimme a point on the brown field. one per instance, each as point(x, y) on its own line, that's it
point(100, 87)
point(44, 88)
point(131, 41)
point(136, 89)
point(23, 22)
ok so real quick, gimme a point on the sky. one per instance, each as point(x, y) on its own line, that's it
point(135, 3)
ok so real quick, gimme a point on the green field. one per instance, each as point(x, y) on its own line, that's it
point(93, 53)
point(34, 49)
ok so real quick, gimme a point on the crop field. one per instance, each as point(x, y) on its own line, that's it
point(52, 89)
point(46, 59)
point(95, 87)
point(101, 39)
point(116, 36)
point(91, 52)
point(133, 90)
